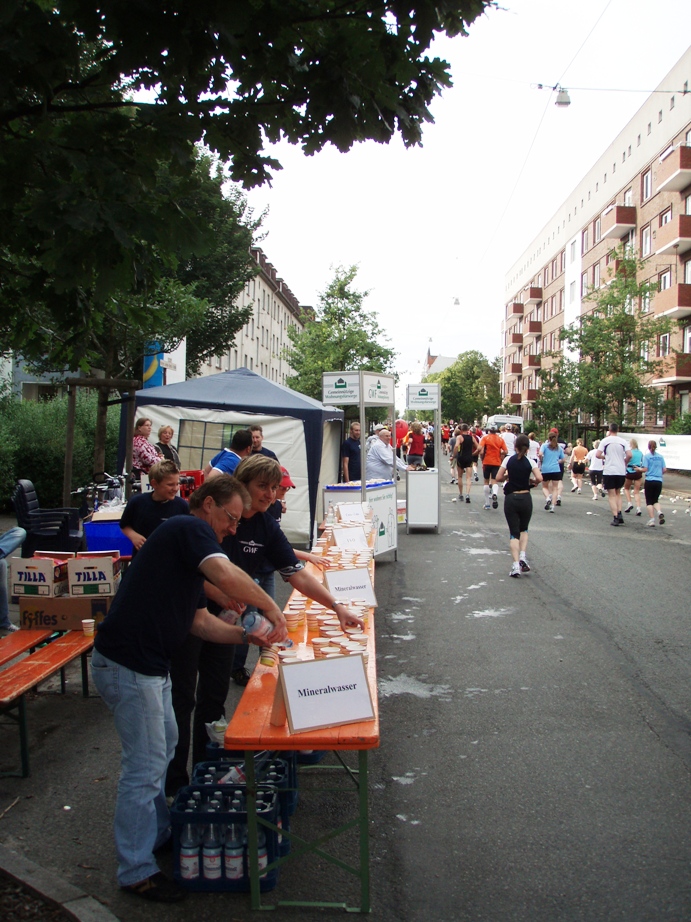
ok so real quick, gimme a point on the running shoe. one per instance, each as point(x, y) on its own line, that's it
point(515, 570)
point(573, 489)
point(638, 511)
point(615, 521)
point(487, 506)
point(621, 518)
point(524, 565)
point(495, 501)
point(551, 508)
point(548, 505)
point(650, 523)
point(578, 491)
point(467, 499)
point(477, 478)
point(661, 519)
point(455, 499)
point(559, 502)
point(629, 508)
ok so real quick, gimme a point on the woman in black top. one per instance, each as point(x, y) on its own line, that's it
point(165, 445)
point(464, 452)
point(521, 474)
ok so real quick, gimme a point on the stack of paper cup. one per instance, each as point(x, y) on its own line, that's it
point(268, 656)
point(292, 620)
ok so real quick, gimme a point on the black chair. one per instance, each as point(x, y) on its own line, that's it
point(46, 529)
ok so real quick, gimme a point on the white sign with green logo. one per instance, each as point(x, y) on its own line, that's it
point(423, 397)
point(341, 387)
point(378, 389)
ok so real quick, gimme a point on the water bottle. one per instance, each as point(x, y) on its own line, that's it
point(189, 851)
point(234, 852)
point(330, 515)
point(211, 851)
point(257, 625)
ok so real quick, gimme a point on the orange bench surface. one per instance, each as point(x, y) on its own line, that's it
point(19, 678)
point(19, 642)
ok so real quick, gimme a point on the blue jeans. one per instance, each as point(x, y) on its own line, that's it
point(144, 719)
point(9, 542)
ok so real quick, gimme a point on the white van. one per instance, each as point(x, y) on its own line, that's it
point(499, 420)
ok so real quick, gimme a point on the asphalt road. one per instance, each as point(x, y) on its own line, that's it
point(536, 749)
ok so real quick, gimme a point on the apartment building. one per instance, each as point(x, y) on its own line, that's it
point(263, 343)
point(638, 195)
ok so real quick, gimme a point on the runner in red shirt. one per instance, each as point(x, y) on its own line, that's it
point(493, 450)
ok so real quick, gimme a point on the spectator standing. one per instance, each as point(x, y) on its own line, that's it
point(9, 542)
point(228, 459)
point(166, 447)
point(258, 443)
point(350, 453)
point(381, 458)
point(144, 454)
point(616, 455)
point(653, 465)
point(416, 444)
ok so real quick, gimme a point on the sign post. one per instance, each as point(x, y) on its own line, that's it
point(426, 397)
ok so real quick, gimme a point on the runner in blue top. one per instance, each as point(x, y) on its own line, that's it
point(653, 465)
point(552, 468)
point(634, 478)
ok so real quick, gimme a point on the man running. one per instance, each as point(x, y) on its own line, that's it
point(616, 454)
point(493, 450)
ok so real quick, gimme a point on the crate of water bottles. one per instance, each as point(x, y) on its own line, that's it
point(210, 837)
point(282, 762)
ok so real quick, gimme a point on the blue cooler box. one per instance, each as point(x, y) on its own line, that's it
point(107, 536)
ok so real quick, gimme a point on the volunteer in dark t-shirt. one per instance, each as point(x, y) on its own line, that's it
point(160, 602)
point(145, 511)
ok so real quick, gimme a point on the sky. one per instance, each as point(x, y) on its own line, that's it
point(443, 223)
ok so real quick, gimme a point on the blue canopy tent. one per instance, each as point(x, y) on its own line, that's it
point(303, 432)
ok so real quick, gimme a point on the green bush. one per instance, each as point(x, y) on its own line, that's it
point(681, 425)
point(36, 444)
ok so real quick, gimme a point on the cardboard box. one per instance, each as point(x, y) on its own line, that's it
point(56, 555)
point(89, 576)
point(64, 614)
point(38, 576)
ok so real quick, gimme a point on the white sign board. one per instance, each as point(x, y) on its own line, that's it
point(423, 397)
point(326, 693)
point(352, 537)
point(675, 449)
point(351, 584)
point(378, 389)
point(341, 387)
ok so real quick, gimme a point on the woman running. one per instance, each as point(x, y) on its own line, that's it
point(653, 465)
point(521, 473)
point(578, 456)
point(595, 466)
point(464, 451)
point(634, 477)
point(552, 467)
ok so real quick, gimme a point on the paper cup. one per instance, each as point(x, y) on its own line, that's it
point(88, 626)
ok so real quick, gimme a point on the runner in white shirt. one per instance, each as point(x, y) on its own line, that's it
point(616, 454)
point(595, 466)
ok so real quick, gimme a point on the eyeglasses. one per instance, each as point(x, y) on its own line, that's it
point(234, 519)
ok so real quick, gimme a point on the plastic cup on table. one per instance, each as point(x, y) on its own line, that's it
point(88, 626)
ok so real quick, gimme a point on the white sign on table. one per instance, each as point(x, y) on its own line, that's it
point(325, 693)
point(351, 584)
point(351, 512)
point(352, 537)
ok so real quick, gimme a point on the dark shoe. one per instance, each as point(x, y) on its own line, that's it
point(621, 518)
point(495, 501)
point(158, 889)
point(558, 502)
point(241, 677)
point(467, 499)
point(661, 519)
point(615, 521)
point(524, 565)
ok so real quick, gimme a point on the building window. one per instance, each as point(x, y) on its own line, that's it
point(687, 204)
point(555, 269)
point(645, 240)
point(628, 196)
point(663, 345)
point(572, 292)
point(660, 415)
point(687, 340)
point(563, 252)
point(650, 127)
point(665, 279)
point(687, 272)
point(573, 251)
point(647, 185)
point(561, 300)
point(659, 116)
point(671, 102)
point(584, 284)
point(666, 216)
point(596, 230)
point(645, 302)
point(596, 275)
point(640, 413)
point(584, 242)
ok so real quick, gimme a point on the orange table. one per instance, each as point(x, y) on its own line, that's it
point(250, 729)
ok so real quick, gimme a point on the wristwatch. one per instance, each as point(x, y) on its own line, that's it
point(244, 635)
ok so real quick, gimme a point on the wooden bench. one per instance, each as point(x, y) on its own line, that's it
point(13, 645)
point(20, 677)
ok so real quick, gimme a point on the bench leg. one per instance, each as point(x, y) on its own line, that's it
point(85, 675)
point(23, 736)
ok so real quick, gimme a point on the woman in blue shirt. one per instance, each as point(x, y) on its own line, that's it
point(654, 466)
point(552, 468)
point(634, 477)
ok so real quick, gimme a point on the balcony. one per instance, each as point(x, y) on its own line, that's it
point(674, 237)
point(674, 302)
point(513, 370)
point(531, 361)
point(529, 395)
point(674, 171)
point(674, 369)
point(617, 221)
point(513, 341)
point(514, 399)
point(531, 330)
point(532, 296)
point(514, 310)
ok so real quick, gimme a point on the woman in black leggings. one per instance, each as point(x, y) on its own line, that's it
point(521, 474)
